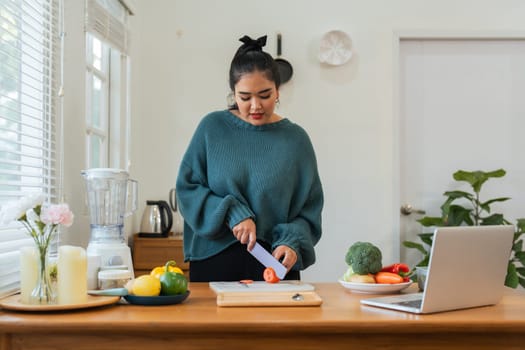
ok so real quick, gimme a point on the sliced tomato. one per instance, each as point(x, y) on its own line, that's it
point(270, 276)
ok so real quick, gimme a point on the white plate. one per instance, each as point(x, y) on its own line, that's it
point(335, 48)
point(374, 288)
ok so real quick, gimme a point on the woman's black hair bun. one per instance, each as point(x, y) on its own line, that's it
point(250, 44)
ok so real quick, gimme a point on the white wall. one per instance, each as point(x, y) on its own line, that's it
point(74, 120)
point(181, 51)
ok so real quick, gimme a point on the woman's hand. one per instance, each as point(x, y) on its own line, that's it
point(245, 232)
point(286, 255)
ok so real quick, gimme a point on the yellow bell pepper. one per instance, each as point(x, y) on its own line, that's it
point(172, 267)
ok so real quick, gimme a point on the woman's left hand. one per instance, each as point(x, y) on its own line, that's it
point(286, 255)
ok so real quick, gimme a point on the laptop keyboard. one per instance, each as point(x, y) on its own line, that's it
point(410, 303)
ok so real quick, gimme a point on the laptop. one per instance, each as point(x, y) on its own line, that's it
point(467, 268)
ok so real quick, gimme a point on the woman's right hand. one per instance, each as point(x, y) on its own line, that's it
point(245, 232)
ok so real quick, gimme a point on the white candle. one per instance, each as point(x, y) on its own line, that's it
point(71, 275)
point(29, 262)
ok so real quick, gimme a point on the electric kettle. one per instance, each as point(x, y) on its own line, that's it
point(178, 220)
point(156, 219)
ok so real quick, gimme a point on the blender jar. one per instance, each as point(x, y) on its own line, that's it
point(111, 196)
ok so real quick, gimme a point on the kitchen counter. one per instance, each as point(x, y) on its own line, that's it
point(339, 323)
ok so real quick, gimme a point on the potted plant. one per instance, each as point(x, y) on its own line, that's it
point(467, 208)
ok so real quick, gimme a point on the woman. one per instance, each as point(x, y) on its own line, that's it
point(249, 174)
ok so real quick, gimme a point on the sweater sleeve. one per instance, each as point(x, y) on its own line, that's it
point(304, 227)
point(304, 231)
point(203, 210)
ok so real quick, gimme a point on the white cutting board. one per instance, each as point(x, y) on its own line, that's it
point(261, 287)
point(258, 293)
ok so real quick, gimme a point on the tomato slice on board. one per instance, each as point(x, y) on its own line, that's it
point(270, 276)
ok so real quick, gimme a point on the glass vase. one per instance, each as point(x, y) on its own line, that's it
point(44, 291)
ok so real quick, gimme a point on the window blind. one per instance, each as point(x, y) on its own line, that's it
point(107, 19)
point(29, 111)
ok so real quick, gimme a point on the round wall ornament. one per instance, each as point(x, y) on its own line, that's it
point(335, 48)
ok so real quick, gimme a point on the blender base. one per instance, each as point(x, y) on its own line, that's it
point(112, 255)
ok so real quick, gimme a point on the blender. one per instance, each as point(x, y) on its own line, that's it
point(107, 193)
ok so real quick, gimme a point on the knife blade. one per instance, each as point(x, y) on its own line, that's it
point(268, 260)
point(121, 292)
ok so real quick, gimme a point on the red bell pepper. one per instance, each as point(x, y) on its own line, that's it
point(399, 268)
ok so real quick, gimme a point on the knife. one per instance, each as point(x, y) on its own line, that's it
point(121, 292)
point(268, 260)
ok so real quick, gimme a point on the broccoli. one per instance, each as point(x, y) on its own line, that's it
point(364, 257)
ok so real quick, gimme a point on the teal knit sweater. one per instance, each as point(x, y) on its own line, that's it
point(233, 170)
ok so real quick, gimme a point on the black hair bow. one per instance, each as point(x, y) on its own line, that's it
point(251, 45)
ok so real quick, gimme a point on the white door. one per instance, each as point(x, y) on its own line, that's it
point(462, 106)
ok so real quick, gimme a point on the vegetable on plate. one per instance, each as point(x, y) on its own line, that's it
point(388, 278)
point(171, 282)
point(398, 268)
point(365, 266)
point(401, 269)
point(351, 276)
point(364, 258)
point(169, 266)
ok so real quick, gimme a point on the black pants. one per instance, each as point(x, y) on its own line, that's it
point(234, 263)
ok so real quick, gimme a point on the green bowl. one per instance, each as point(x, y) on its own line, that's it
point(157, 300)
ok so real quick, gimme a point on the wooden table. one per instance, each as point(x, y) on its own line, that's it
point(340, 323)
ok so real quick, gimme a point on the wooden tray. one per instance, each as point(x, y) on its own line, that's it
point(284, 293)
point(13, 303)
point(269, 299)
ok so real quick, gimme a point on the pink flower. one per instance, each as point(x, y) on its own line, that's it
point(57, 214)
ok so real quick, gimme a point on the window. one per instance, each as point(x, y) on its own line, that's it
point(97, 97)
point(29, 115)
point(107, 67)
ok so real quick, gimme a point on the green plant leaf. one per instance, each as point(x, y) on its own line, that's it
point(431, 221)
point(477, 178)
point(521, 224)
point(520, 256)
point(414, 245)
point(512, 279)
point(458, 215)
point(448, 205)
point(517, 246)
point(425, 260)
point(458, 194)
point(486, 205)
point(445, 207)
point(501, 199)
point(426, 238)
point(494, 219)
point(522, 282)
point(520, 270)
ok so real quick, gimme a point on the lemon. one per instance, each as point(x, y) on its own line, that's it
point(146, 286)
